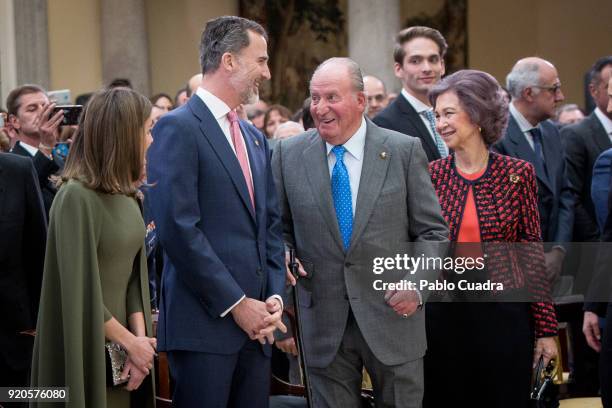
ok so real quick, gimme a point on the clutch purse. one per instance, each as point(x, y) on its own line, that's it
point(544, 393)
point(116, 357)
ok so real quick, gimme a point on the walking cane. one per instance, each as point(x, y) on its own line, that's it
point(293, 265)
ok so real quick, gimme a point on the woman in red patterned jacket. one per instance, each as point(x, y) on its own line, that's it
point(491, 200)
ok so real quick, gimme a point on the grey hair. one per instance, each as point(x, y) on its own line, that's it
point(521, 77)
point(355, 73)
point(225, 34)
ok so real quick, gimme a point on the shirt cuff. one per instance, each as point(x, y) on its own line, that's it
point(280, 299)
point(559, 247)
point(420, 306)
point(232, 306)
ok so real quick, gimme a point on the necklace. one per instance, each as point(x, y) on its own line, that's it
point(482, 164)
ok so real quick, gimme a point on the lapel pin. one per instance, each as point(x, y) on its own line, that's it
point(514, 178)
point(256, 142)
point(383, 155)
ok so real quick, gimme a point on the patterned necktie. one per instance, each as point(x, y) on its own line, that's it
point(537, 147)
point(341, 192)
point(439, 142)
point(241, 154)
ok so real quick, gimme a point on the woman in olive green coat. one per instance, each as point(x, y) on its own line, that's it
point(95, 286)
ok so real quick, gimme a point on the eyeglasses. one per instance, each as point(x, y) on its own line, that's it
point(553, 89)
point(378, 98)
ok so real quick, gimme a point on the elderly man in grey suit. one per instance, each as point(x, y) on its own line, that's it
point(350, 191)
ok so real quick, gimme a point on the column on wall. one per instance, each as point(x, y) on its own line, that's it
point(31, 42)
point(372, 26)
point(125, 52)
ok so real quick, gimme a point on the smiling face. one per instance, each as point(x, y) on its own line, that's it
point(422, 67)
point(336, 107)
point(453, 123)
point(251, 69)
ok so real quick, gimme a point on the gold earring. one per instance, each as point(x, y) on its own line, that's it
point(479, 129)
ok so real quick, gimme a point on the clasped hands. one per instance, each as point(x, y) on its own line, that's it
point(141, 351)
point(259, 319)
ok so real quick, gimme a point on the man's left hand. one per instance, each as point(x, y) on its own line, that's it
point(274, 321)
point(404, 302)
point(554, 263)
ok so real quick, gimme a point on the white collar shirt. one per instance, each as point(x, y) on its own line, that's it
point(353, 159)
point(421, 108)
point(523, 124)
point(219, 110)
point(605, 122)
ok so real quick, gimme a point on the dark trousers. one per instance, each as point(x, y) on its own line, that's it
point(605, 361)
point(15, 361)
point(220, 380)
point(478, 355)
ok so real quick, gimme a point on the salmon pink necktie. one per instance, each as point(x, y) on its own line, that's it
point(241, 154)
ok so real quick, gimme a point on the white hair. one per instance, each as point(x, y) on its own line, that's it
point(522, 76)
point(287, 129)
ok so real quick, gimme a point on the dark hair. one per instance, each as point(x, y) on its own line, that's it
point(282, 111)
point(598, 66)
point(481, 98)
point(225, 34)
point(160, 95)
point(83, 98)
point(307, 120)
point(120, 83)
point(411, 33)
point(179, 92)
point(13, 99)
point(107, 154)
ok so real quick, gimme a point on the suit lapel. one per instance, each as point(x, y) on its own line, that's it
point(524, 151)
point(213, 133)
point(317, 172)
point(373, 174)
point(417, 122)
point(599, 133)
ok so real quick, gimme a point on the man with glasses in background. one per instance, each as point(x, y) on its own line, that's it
point(536, 92)
point(376, 93)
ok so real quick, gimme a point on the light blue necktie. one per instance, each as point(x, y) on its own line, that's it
point(341, 193)
point(432, 124)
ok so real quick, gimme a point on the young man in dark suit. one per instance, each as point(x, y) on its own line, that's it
point(216, 214)
point(23, 231)
point(29, 117)
point(419, 65)
point(584, 142)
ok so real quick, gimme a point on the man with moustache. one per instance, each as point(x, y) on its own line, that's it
point(215, 208)
point(419, 65)
point(338, 185)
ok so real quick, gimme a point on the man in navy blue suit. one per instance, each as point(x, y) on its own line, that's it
point(536, 90)
point(216, 212)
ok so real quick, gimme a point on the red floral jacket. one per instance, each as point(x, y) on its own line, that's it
point(506, 203)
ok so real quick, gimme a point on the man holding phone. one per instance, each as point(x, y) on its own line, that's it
point(36, 129)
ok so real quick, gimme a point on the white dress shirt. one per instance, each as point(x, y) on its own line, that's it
point(421, 108)
point(219, 110)
point(353, 159)
point(523, 124)
point(605, 122)
point(30, 149)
